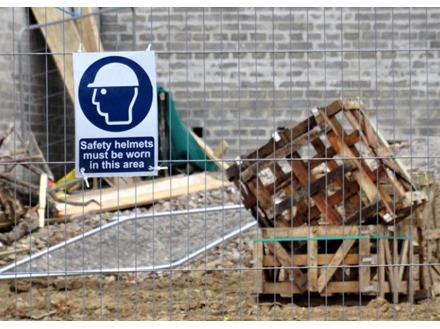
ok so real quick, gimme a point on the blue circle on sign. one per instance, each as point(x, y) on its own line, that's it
point(115, 93)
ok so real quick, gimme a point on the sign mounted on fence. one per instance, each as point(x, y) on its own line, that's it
point(115, 114)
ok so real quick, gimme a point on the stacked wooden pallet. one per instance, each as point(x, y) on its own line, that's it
point(329, 196)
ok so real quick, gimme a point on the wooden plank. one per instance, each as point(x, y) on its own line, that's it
point(366, 212)
point(403, 259)
point(61, 39)
point(258, 254)
point(317, 231)
point(433, 234)
point(33, 144)
point(283, 288)
point(371, 141)
point(313, 188)
point(7, 253)
point(364, 264)
point(350, 190)
point(299, 278)
point(319, 198)
point(390, 269)
point(303, 260)
point(326, 274)
point(42, 200)
point(381, 268)
point(401, 168)
point(320, 148)
point(280, 153)
point(313, 264)
point(262, 196)
point(364, 180)
point(143, 193)
point(88, 31)
point(221, 149)
point(209, 152)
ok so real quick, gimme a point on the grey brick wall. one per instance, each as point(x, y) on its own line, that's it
point(240, 73)
point(31, 90)
point(11, 22)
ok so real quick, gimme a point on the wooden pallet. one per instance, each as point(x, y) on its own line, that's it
point(333, 168)
point(369, 260)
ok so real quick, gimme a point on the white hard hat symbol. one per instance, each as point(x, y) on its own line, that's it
point(115, 75)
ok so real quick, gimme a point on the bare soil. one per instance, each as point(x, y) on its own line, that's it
point(209, 288)
point(218, 285)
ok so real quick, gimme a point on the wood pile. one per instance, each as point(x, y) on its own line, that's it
point(335, 207)
point(19, 196)
point(31, 199)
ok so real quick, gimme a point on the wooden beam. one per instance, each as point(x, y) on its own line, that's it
point(7, 253)
point(365, 261)
point(88, 31)
point(42, 200)
point(313, 264)
point(209, 152)
point(221, 148)
point(390, 268)
point(303, 259)
point(142, 193)
point(381, 268)
point(316, 231)
point(62, 39)
point(326, 274)
point(299, 278)
point(258, 251)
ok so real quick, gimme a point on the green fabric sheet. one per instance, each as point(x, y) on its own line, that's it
point(181, 148)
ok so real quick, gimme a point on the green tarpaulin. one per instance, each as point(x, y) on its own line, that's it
point(180, 148)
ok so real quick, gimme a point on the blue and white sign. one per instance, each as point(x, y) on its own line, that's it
point(115, 114)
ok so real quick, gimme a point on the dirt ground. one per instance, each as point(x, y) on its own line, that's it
point(190, 293)
point(211, 287)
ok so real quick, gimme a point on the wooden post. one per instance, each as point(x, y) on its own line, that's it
point(391, 272)
point(61, 39)
point(381, 270)
point(88, 31)
point(42, 200)
point(258, 249)
point(365, 261)
point(313, 264)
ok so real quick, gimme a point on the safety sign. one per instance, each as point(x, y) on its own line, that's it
point(115, 114)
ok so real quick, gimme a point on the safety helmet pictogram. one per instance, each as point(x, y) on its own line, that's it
point(115, 75)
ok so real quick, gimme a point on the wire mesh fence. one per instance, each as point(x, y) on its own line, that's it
point(315, 195)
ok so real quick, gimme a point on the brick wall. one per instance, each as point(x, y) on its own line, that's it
point(32, 91)
point(240, 73)
point(11, 22)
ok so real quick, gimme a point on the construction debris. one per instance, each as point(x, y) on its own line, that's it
point(19, 196)
point(140, 194)
point(329, 193)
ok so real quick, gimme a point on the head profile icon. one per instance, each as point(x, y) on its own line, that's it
point(115, 90)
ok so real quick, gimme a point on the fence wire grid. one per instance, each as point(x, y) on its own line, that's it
point(322, 125)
